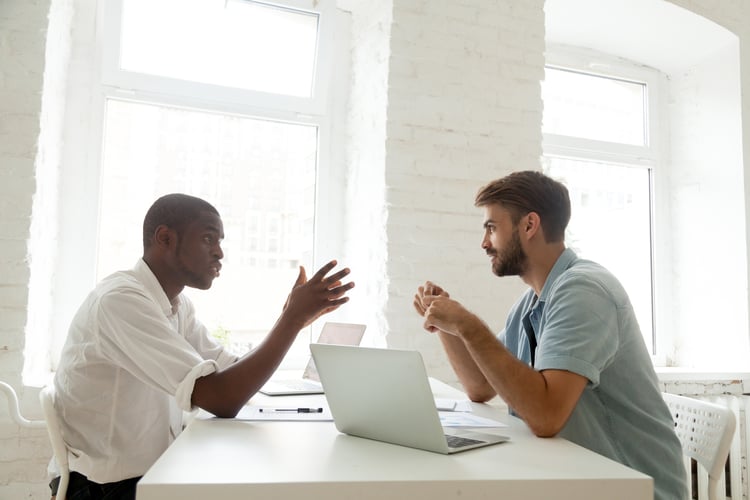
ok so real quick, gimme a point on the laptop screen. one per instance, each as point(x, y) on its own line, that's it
point(335, 333)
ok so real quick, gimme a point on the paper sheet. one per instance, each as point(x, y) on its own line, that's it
point(448, 404)
point(462, 419)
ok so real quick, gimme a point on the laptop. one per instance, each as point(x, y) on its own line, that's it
point(384, 394)
point(332, 333)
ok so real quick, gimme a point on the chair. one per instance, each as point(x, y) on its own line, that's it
point(51, 422)
point(15, 411)
point(59, 448)
point(705, 430)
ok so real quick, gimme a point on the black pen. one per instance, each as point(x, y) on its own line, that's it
point(295, 410)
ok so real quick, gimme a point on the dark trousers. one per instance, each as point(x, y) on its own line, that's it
point(80, 488)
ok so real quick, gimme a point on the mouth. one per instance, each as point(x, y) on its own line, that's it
point(215, 270)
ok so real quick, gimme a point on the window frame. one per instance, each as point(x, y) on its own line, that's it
point(113, 76)
point(650, 156)
point(590, 62)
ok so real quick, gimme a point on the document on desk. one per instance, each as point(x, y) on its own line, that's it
point(464, 419)
point(448, 404)
point(285, 413)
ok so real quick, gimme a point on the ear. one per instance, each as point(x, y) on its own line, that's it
point(164, 237)
point(531, 224)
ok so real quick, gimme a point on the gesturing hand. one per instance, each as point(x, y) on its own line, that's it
point(321, 294)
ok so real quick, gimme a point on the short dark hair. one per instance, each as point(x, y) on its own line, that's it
point(531, 191)
point(175, 211)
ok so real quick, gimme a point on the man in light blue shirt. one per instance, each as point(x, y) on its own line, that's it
point(571, 360)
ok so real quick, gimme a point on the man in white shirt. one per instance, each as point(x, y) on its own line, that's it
point(136, 356)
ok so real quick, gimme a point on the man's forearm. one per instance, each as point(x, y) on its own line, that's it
point(471, 377)
point(224, 393)
point(543, 399)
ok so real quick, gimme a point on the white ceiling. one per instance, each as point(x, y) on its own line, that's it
point(656, 33)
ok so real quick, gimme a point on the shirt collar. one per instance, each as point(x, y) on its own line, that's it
point(563, 262)
point(144, 274)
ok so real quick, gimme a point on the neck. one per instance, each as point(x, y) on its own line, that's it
point(162, 273)
point(541, 262)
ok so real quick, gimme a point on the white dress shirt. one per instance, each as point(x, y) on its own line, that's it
point(127, 372)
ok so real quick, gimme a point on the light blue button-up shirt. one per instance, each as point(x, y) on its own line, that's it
point(584, 323)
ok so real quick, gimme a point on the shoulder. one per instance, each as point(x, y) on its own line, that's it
point(120, 289)
point(588, 277)
point(587, 287)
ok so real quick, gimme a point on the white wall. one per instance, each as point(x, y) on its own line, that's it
point(709, 294)
point(445, 97)
point(365, 216)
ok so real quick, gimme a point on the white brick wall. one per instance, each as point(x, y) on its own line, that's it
point(365, 214)
point(23, 23)
point(445, 97)
point(464, 107)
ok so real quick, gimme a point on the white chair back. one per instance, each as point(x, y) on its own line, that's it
point(705, 430)
point(59, 448)
point(14, 408)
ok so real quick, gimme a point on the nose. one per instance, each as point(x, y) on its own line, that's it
point(485, 242)
point(218, 252)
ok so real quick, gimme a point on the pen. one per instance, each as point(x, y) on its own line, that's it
point(294, 410)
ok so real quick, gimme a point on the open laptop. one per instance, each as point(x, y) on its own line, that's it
point(332, 333)
point(384, 394)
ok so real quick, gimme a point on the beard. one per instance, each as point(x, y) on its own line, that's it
point(511, 260)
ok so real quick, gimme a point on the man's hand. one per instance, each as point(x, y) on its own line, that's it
point(447, 315)
point(321, 294)
point(439, 311)
point(428, 290)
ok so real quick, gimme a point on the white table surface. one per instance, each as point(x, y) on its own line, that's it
point(224, 459)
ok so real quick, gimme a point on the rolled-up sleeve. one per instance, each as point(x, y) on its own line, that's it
point(184, 393)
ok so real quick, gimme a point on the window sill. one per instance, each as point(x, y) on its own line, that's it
point(730, 382)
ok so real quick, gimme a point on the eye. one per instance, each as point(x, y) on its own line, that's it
point(208, 239)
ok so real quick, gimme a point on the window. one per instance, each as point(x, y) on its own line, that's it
point(241, 44)
point(223, 99)
point(694, 155)
point(599, 139)
point(151, 149)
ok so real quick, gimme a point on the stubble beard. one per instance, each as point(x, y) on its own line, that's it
point(512, 260)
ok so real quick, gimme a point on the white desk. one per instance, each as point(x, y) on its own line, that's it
point(219, 459)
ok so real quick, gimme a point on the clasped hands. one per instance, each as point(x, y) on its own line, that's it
point(440, 312)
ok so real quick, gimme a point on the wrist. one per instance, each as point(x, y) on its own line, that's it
point(290, 323)
point(470, 328)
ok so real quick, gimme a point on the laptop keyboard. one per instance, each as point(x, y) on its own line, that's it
point(300, 385)
point(458, 441)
